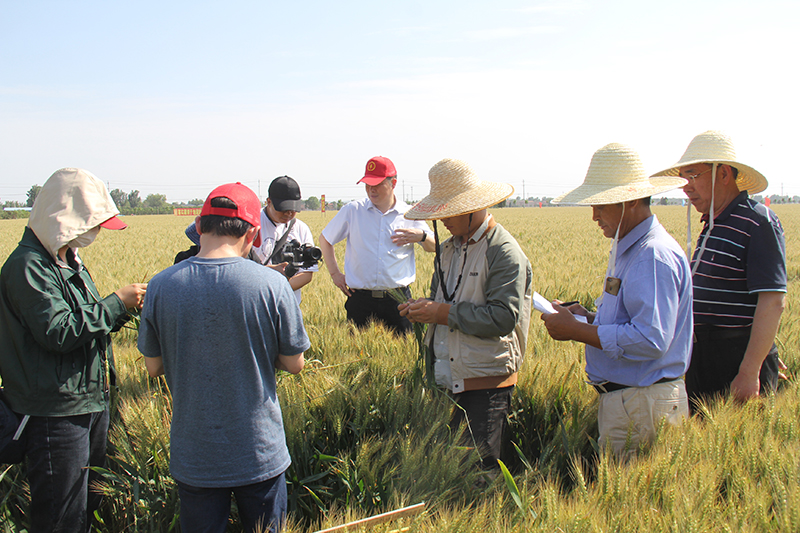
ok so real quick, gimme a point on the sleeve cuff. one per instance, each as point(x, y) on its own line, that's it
point(608, 341)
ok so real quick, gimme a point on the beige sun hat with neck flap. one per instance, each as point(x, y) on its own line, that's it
point(716, 147)
point(616, 175)
point(457, 190)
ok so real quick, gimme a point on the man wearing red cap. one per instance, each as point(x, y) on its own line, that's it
point(218, 326)
point(380, 249)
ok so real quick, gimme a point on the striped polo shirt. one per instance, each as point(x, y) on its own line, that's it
point(745, 254)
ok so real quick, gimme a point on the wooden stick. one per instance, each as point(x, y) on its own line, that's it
point(378, 519)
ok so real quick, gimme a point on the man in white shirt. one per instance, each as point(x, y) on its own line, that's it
point(278, 219)
point(380, 249)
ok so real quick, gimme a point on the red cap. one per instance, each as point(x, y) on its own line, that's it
point(378, 169)
point(114, 223)
point(248, 206)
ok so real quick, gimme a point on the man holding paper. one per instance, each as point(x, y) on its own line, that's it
point(639, 341)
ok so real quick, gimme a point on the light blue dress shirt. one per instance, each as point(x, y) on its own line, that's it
point(646, 329)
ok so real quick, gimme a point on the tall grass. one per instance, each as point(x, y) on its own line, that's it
point(367, 434)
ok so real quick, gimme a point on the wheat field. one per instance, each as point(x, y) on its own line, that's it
point(367, 435)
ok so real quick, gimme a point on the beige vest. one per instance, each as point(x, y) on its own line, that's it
point(479, 363)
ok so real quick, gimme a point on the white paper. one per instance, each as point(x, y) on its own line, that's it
point(543, 305)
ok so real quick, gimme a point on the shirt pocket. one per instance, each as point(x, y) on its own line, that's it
point(607, 312)
point(70, 374)
point(487, 356)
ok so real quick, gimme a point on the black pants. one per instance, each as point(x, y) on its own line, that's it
point(487, 413)
point(362, 307)
point(716, 357)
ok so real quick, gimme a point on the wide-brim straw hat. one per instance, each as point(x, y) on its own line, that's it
point(616, 175)
point(457, 190)
point(716, 147)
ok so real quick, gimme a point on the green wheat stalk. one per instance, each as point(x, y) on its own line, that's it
point(425, 354)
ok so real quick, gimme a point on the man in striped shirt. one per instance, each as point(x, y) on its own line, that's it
point(738, 273)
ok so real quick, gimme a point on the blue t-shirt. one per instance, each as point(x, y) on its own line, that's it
point(219, 325)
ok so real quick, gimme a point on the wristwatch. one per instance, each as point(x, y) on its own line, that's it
point(424, 236)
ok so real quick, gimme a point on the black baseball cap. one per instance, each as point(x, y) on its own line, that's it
point(284, 193)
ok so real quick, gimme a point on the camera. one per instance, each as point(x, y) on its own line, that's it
point(298, 256)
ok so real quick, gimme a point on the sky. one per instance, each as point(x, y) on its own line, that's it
point(177, 97)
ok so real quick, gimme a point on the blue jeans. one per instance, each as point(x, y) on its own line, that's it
point(60, 450)
point(261, 504)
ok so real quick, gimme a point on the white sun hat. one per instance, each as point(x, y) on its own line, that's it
point(616, 175)
point(457, 190)
point(716, 147)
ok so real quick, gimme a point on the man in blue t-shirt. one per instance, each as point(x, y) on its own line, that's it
point(738, 273)
point(218, 326)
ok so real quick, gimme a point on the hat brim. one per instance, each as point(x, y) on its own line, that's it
point(747, 179)
point(287, 205)
point(374, 180)
point(594, 195)
point(113, 223)
point(484, 195)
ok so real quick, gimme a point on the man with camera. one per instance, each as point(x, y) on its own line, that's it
point(287, 244)
point(380, 249)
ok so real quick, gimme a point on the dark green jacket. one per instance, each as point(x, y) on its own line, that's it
point(55, 347)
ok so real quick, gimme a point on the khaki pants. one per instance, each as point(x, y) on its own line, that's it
point(628, 418)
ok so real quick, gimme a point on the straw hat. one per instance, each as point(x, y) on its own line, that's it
point(616, 175)
point(716, 147)
point(456, 190)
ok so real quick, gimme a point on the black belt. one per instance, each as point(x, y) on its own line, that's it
point(380, 293)
point(609, 386)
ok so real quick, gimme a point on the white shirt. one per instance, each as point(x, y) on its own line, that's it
point(371, 260)
point(270, 234)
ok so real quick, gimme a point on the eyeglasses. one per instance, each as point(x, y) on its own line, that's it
point(692, 177)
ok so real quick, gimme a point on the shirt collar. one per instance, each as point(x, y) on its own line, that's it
point(480, 232)
point(266, 215)
point(72, 253)
point(728, 209)
point(398, 207)
point(641, 229)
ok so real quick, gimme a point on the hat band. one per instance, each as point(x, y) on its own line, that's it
point(228, 212)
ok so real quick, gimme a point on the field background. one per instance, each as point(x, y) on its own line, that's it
point(366, 434)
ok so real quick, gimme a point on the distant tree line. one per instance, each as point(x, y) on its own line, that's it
point(131, 203)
